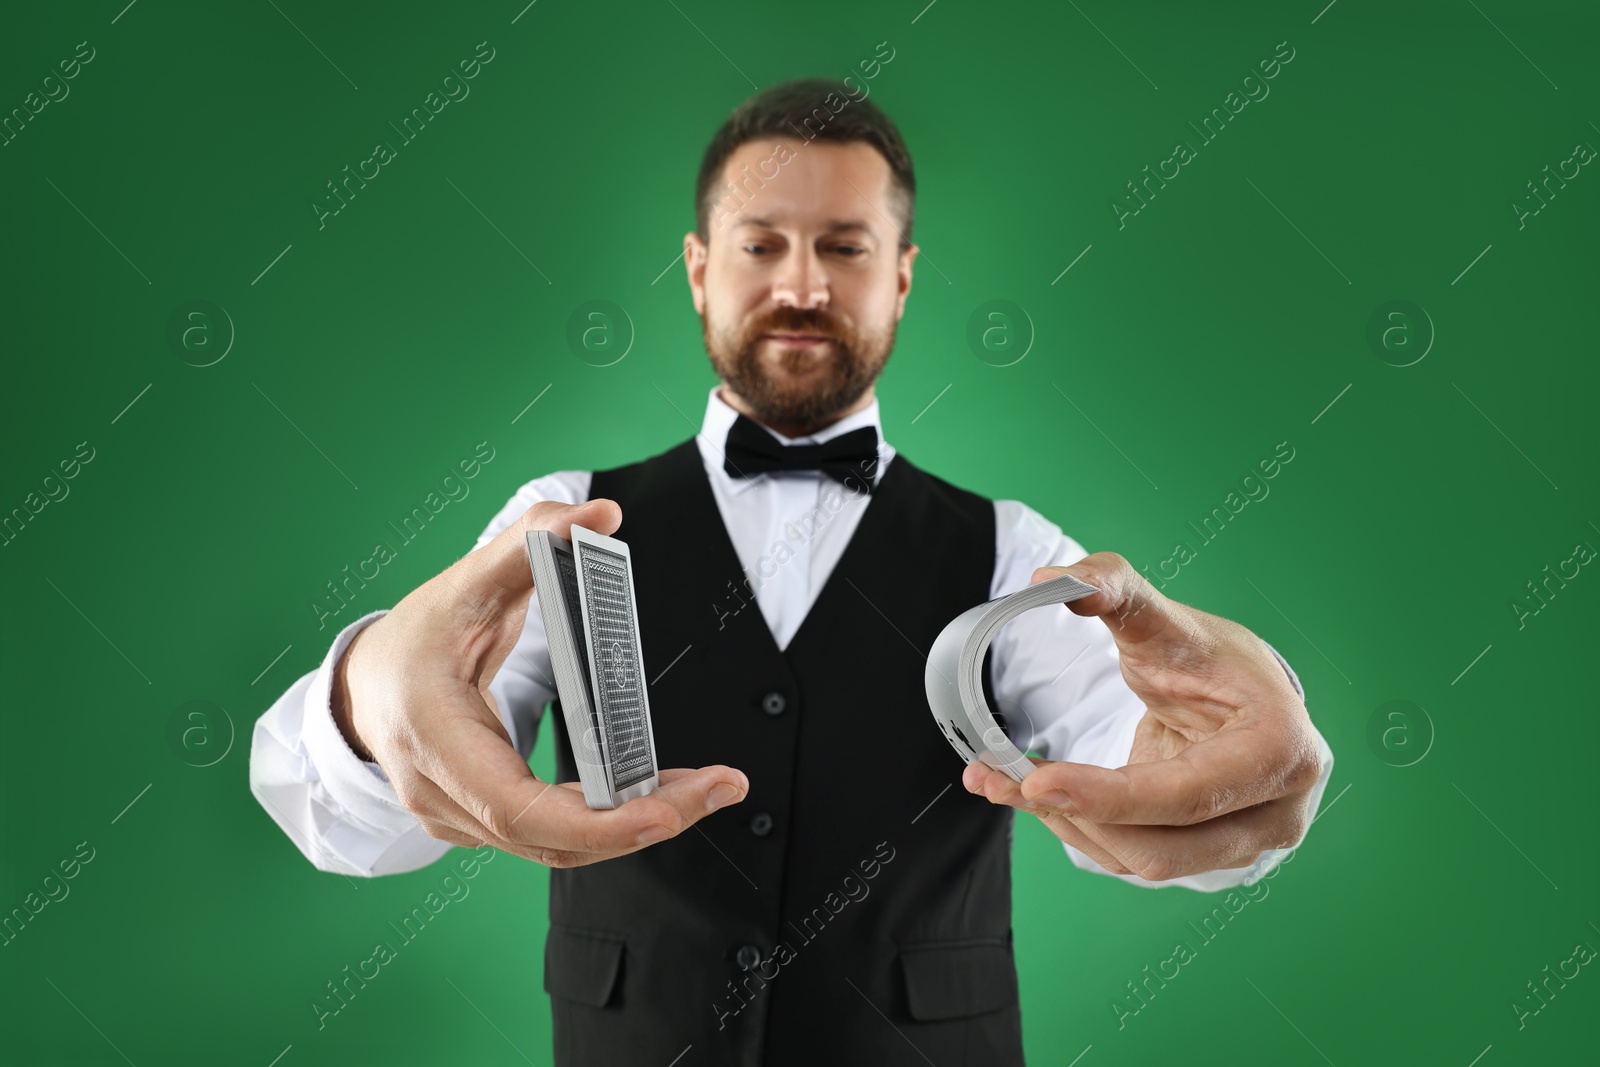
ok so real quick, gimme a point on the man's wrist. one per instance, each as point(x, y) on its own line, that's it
point(340, 705)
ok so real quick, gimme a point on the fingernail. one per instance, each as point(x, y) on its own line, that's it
point(654, 834)
point(722, 794)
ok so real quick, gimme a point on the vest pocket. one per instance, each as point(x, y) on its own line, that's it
point(582, 965)
point(956, 979)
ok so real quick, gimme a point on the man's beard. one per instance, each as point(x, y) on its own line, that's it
point(848, 370)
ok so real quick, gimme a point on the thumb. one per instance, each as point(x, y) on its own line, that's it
point(1130, 606)
point(479, 604)
point(498, 572)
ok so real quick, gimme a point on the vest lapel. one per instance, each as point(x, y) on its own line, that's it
point(725, 556)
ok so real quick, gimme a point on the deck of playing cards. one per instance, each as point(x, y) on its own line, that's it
point(585, 591)
point(954, 677)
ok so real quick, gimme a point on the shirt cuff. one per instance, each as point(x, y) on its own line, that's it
point(359, 787)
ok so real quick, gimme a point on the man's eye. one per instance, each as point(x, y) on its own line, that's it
point(755, 250)
point(848, 250)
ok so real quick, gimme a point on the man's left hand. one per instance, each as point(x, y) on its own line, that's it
point(1224, 760)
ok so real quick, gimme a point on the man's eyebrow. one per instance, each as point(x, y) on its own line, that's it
point(836, 226)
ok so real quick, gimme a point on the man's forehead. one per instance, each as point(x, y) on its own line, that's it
point(823, 185)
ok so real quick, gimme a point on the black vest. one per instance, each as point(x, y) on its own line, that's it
point(856, 906)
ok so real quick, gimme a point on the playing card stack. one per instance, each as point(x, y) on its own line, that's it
point(954, 678)
point(586, 598)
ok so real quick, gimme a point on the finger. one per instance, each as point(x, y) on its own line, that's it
point(443, 818)
point(663, 814)
point(439, 816)
point(1128, 604)
point(478, 768)
point(682, 798)
point(1000, 788)
point(448, 821)
point(1240, 766)
point(1161, 853)
point(683, 791)
point(472, 761)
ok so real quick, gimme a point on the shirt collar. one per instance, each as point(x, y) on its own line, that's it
point(720, 417)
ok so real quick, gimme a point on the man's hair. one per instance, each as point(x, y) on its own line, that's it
point(816, 109)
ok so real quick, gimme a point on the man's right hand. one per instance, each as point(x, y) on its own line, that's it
point(412, 691)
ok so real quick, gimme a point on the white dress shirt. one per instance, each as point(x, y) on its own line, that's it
point(1055, 674)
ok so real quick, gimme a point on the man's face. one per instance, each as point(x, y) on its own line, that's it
point(801, 284)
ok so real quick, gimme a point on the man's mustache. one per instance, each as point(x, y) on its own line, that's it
point(798, 320)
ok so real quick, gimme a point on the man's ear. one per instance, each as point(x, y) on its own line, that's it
point(694, 261)
point(904, 270)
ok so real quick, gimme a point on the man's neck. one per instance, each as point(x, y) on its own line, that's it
point(792, 429)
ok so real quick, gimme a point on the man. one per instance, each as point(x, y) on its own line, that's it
point(837, 902)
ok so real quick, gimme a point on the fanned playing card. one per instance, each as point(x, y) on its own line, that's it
point(954, 678)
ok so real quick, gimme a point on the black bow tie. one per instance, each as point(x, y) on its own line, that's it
point(851, 458)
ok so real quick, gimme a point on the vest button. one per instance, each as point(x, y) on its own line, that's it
point(761, 825)
point(774, 703)
point(748, 956)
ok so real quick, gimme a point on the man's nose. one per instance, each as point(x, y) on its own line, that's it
point(802, 282)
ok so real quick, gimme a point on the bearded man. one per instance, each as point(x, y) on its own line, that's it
point(838, 901)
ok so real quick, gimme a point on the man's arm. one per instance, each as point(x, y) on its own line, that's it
point(1057, 676)
point(326, 793)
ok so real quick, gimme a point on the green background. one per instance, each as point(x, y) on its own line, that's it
point(1224, 318)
